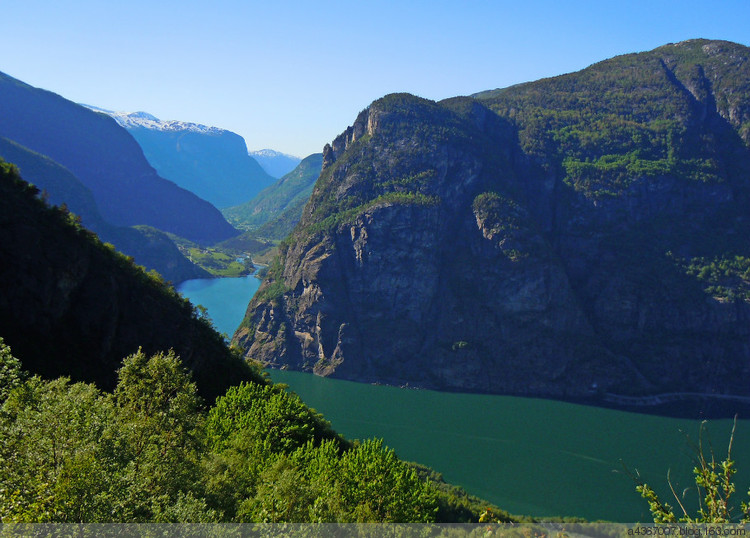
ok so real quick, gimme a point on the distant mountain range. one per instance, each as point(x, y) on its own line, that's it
point(570, 237)
point(88, 162)
point(213, 163)
point(275, 163)
point(275, 211)
point(107, 160)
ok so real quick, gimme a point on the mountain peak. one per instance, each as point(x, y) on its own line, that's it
point(271, 153)
point(145, 120)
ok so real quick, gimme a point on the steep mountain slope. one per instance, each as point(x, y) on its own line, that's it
point(574, 235)
point(148, 246)
point(70, 305)
point(107, 160)
point(275, 163)
point(291, 191)
point(210, 162)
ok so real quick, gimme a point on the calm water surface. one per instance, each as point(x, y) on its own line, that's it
point(528, 456)
point(225, 299)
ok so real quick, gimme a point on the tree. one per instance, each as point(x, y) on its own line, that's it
point(11, 372)
point(57, 463)
point(160, 424)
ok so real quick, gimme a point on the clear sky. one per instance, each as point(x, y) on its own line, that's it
point(291, 75)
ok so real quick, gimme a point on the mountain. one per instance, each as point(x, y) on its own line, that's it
point(290, 192)
point(569, 237)
point(107, 160)
point(275, 163)
point(71, 305)
point(148, 246)
point(210, 162)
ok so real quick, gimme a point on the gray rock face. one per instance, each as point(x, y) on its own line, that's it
point(445, 247)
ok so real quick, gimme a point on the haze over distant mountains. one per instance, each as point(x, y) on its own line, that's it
point(277, 164)
point(105, 158)
point(89, 162)
point(210, 162)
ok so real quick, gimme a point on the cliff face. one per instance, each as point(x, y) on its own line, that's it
point(212, 163)
point(71, 306)
point(582, 233)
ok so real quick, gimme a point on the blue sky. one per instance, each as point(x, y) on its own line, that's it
point(291, 75)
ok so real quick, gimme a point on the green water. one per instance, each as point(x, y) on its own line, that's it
point(528, 456)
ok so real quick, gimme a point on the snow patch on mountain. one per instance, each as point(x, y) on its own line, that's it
point(271, 153)
point(134, 120)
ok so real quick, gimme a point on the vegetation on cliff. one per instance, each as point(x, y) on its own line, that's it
point(603, 215)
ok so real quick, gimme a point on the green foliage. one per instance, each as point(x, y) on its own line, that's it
point(149, 452)
point(79, 455)
point(382, 488)
point(343, 218)
point(274, 418)
point(11, 373)
point(714, 481)
point(726, 277)
point(273, 287)
point(629, 117)
point(57, 459)
point(159, 421)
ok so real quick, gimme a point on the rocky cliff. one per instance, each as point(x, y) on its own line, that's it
point(213, 163)
point(574, 235)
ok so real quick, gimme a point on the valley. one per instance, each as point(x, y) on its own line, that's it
point(512, 305)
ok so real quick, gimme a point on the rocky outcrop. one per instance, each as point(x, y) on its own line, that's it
point(550, 239)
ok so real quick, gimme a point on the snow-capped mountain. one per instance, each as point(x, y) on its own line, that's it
point(210, 162)
point(131, 120)
point(274, 162)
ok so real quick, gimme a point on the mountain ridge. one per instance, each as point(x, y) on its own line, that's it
point(292, 189)
point(148, 246)
point(108, 160)
point(516, 243)
point(211, 162)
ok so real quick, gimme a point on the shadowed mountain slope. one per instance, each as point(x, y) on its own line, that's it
point(107, 160)
point(70, 305)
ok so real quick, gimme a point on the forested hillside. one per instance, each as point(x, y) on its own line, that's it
point(71, 305)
